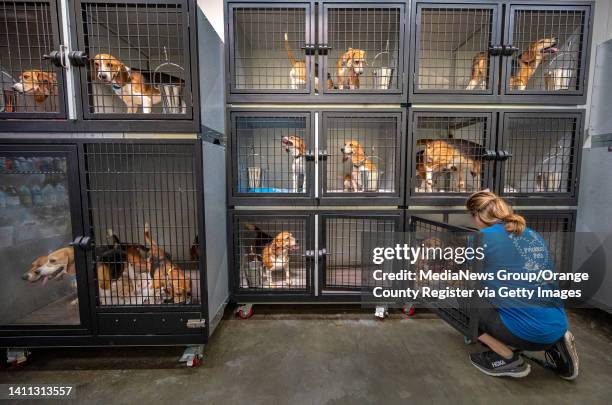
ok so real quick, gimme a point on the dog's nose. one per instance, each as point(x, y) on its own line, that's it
point(17, 87)
point(25, 276)
point(101, 76)
point(342, 150)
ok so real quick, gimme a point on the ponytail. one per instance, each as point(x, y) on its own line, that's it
point(492, 209)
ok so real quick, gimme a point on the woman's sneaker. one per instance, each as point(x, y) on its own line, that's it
point(562, 357)
point(495, 365)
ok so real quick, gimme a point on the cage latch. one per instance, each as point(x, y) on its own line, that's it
point(55, 57)
point(323, 154)
point(509, 50)
point(489, 154)
point(309, 49)
point(323, 252)
point(503, 155)
point(81, 242)
point(78, 58)
point(308, 253)
point(496, 50)
point(309, 155)
point(324, 49)
point(196, 323)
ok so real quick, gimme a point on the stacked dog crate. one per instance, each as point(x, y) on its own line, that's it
point(352, 116)
point(103, 211)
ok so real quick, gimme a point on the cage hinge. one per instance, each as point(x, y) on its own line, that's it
point(309, 155)
point(81, 242)
point(324, 49)
point(309, 49)
point(496, 50)
point(509, 50)
point(196, 323)
point(489, 154)
point(323, 154)
point(503, 155)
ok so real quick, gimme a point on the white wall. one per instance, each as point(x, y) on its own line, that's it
point(213, 9)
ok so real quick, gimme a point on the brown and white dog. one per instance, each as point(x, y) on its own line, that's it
point(275, 255)
point(455, 155)
point(297, 74)
point(37, 83)
point(53, 266)
point(127, 84)
point(361, 164)
point(168, 278)
point(295, 147)
point(349, 67)
point(523, 66)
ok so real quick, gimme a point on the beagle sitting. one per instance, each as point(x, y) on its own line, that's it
point(349, 67)
point(275, 255)
point(127, 84)
point(37, 83)
point(295, 147)
point(361, 164)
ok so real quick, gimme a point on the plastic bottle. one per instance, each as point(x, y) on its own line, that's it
point(12, 198)
point(25, 196)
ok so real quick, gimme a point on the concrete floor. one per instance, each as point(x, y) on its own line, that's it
point(314, 357)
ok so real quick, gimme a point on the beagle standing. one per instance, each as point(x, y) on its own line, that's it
point(361, 164)
point(295, 147)
point(297, 74)
point(275, 255)
point(37, 83)
point(127, 84)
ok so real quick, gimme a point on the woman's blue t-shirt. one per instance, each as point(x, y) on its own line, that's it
point(537, 320)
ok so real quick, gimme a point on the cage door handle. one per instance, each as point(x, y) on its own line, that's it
point(309, 49)
point(503, 155)
point(509, 50)
point(323, 252)
point(309, 155)
point(308, 253)
point(489, 154)
point(323, 154)
point(55, 57)
point(496, 50)
point(78, 58)
point(81, 242)
point(324, 49)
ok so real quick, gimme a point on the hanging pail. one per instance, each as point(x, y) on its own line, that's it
point(370, 180)
point(382, 77)
point(254, 177)
point(254, 270)
point(558, 79)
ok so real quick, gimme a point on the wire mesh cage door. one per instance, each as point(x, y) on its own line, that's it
point(362, 154)
point(272, 254)
point(272, 155)
point(30, 85)
point(362, 47)
point(549, 48)
point(455, 48)
point(143, 217)
point(460, 313)
point(341, 245)
point(271, 47)
point(543, 151)
point(452, 154)
point(139, 59)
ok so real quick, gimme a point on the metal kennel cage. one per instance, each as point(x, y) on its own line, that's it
point(139, 59)
point(272, 156)
point(544, 151)
point(30, 85)
point(273, 256)
point(460, 313)
point(362, 157)
point(451, 155)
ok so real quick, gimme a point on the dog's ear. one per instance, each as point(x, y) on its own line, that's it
point(122, 73)
point(93, 68)
point(348, 57)
point(39, 86)
point(302, 146)
point(528, 56)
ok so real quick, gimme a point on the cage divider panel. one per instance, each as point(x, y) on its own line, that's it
point(366, 47)
point(139, 59)
point(132, 186)
point(272, 254)
point(341, 235)
point(364, 154)
point(260, 59)
point(30, 85)
point(272, 155)
point(545, 155)
point(450, 155)
point(559, 36)
point(452, 42)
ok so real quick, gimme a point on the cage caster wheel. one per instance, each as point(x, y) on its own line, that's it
point(195, 362)
point(409, 310)
point(245, 311)
point(468, 341)
point(381, 313)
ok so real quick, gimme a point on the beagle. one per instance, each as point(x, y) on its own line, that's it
point(455, 155)
point(297, 74)
point(37, 83)
point(127, 84)
point(349, 67)
point(275, 255)
point(167, 278)
point(361, 164)
point(295, 147)
point(523, 66)
point(54, 266)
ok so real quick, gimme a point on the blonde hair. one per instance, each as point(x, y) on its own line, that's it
point(492, 209)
